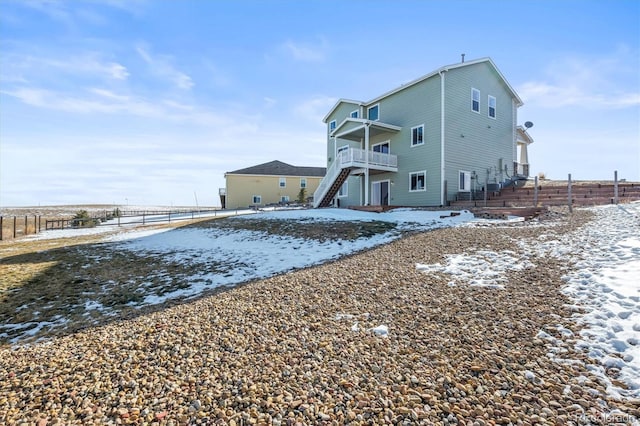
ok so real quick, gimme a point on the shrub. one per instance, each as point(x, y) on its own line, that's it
point(83, 220)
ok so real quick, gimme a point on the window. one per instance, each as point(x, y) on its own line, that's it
point(492, 106)
point(417, 135)
point(344, 190)
point(257, 199)
point(354, 114)
point(303, 182)
point(382, 148)
point(283, 182)
point(284, 199)
point(475, 100)
point(464, 181)
point(417, 181)
point(332, 125)
point(373, 112)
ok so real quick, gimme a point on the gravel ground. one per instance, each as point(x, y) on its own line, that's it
point(306, 348)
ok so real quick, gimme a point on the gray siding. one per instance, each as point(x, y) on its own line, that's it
point(417, 105)
point(475, 142)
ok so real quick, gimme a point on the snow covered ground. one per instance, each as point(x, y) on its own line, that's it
point(605, 282)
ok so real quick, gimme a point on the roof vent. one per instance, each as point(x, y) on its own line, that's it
point(462, 57)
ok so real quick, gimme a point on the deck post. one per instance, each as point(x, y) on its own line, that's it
point(535, 192)
point(569, 192)
point(486, 188)
point(615, 187)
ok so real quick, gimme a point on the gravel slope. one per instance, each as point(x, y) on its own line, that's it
point(299, 349)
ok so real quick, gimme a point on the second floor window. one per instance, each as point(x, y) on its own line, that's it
point(303, 182)
point(417, 135)
point(354, 114)
point(492, 107)
point(373, 113)
point(283, 182)
point(475, 100)
point(332, 125)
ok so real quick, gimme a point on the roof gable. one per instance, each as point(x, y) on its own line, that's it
point(278, 168)
point(427, 76)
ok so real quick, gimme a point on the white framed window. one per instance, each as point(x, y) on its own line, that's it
point(332, 125)
point(257, 199)
point(464, 181)
point(417, 135)
point(284, 199)
point(341, 149)
point(344, 190)
point(354, 114)
point(282, 182)
point(303, 182)
point(382, 148)
point(418, 181)
point(475, 100)
point(492, 106)
point(373, 112)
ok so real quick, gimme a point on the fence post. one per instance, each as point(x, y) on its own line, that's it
point(1, 219)
point(569, 192)
point(615, 187)
point(14, 226)
point(143, 218)
point(535, 192)
point(39, 223)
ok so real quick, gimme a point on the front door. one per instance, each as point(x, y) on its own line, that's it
point(380, 193)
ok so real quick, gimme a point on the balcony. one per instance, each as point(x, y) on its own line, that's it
point(355, 158)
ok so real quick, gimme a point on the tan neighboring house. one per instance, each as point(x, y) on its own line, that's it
point(268, 184)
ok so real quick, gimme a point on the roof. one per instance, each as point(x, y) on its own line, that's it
point(427, 76)
point(523, 135)
point(278, 168)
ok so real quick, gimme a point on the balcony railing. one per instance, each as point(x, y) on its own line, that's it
point(354, 158)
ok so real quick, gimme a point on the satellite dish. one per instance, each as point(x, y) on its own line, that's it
point(528, 124)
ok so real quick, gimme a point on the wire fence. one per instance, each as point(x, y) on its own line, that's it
point(12, 227)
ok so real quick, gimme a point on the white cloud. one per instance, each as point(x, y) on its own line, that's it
point(306, 52)
point(604, 82)
point(315, 108)
point(161, 65)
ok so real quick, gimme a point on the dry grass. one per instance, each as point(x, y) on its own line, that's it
point(58, 286)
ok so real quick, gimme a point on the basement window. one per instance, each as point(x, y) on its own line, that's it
point(417, 181)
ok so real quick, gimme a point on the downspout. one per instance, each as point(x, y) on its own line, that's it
point(443, 197)
point(366, 163)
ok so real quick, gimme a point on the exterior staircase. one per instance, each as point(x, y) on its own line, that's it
point(334, 188)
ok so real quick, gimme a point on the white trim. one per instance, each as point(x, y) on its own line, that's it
point(345, 185)
point(374, 182)
point(421, 172)
point(417, 144)
point(467, 180)
point(473, 92)
point(338, 103)
point(387, 142)
point(363, 123)
point(369, 109)
point(447, 68)
point(495, 107)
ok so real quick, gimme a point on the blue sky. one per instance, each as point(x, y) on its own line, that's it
point(151, 102)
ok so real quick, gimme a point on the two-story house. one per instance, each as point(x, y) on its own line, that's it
point(270, 183)
point(441, 137)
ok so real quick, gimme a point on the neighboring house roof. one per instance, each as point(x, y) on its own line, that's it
point(426, 76)
point(278, 168)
